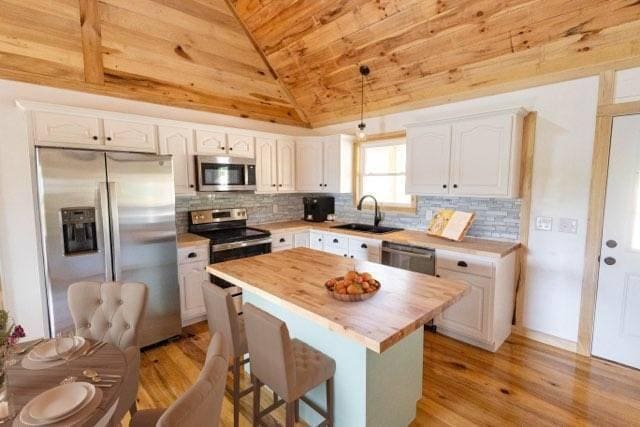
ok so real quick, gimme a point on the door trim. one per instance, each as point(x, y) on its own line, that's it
point(607, 110)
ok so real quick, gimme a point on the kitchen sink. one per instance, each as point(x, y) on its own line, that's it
point(367, 228)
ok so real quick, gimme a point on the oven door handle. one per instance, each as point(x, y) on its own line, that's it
point(236, 245)
point(413, 254)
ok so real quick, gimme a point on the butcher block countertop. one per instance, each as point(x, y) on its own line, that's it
point(470, 245)
point(295, 279)
point(186, 240)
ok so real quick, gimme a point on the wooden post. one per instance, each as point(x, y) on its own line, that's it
point(91, 41)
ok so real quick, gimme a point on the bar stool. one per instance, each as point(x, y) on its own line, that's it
point(223, 318)
point(289, 367)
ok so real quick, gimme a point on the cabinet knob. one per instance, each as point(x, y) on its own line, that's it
point(363, 246)
point(325, 185)
point(279, 185)
point(444, 185)
point(335, 240)
point(230, 148)
point(319, 240)
point(351, 256)
point(455, 185)
point(609, 260)
point(108, 138)
point(345, 255)
point(462, 264)
point(192, 255)
point(191, 186)
point(95, 138)
point(282, 240)
point(273, 185)
point(320, 185)
point(437, 275)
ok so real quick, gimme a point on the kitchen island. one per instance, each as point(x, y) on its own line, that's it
point(377, 344)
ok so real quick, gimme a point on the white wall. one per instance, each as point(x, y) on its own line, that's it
point(561, 179)
point(20, 275)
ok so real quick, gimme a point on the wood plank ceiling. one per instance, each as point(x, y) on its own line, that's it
point(424, 52)
point(296, 61)
point(186, 53)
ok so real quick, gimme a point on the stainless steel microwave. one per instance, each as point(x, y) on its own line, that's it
point(224, 173)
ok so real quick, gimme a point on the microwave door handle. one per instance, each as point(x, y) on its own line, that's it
point(115, 230)
point(246, 174)
point(104, 215)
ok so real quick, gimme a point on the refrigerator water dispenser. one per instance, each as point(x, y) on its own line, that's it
point(79, 230)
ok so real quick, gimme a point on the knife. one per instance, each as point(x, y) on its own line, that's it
point(91, 347)
point(28, 347)
point(96, 348)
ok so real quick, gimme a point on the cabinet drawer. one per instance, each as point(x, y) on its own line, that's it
point(281, 241)
point(335, 243)
point(364, 249)
point(193, 254)
point(463, 263)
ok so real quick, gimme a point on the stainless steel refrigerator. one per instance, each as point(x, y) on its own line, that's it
point(110, 216)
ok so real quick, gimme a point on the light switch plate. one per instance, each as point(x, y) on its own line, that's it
point(568, 225)
point(544, 223)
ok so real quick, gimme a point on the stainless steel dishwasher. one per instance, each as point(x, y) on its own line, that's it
point(407, 257)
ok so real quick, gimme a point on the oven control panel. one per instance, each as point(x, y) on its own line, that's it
point(210, 216)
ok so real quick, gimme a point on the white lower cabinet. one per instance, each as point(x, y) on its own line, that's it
point(192, 264)
point(301, 239)
point(344, 245)
point(315, 240)
point(483, 316)
point(281, 242)
point(365, 249)
point(337, 244)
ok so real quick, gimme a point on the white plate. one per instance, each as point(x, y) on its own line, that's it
point(46, 351)
point(57, 403)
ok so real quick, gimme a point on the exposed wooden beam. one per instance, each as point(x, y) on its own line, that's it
point(91, 41)
point(621, 109)
point(595, 218)
point(526, 178)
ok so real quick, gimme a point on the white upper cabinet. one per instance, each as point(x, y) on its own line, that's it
point(428, 154)
point(210, 142)
point(178, 142)
point(325, 164)
point(266, 165)
point(468, 156)
point(240, 146)
point(67, 129)
point(286, 160)
point(130, 135)
point(309, 164)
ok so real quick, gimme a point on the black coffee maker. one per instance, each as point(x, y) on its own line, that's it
point(317, 209)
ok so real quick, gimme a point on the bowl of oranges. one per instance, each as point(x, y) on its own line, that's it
point(353, 286)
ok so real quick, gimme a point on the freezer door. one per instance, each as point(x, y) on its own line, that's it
point(142, 202)
point(72, 194)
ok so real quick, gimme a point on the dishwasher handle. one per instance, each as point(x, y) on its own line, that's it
point(396, 251)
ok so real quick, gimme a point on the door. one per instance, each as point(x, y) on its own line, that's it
point(286, 160)
point(241, 146)
point(211, 143)
point(481, 156)
point(331, 165)
point(178, 142)
point(192, 276)
point(72, 179)
point(309, 165)
point(129, 135)
point(67, 129)
point(266, 172)
point(142, 205)
point(616, 333)
point(428, 159)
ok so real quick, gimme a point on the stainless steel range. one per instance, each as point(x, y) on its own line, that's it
point(230, 239)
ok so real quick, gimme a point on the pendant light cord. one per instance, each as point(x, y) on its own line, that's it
point(362, 100)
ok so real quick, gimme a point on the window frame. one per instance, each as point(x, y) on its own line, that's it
point(358, 157)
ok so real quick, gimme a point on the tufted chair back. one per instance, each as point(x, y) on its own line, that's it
point(223, 318)
point(109, 311)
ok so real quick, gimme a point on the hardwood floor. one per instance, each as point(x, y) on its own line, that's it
point(524, 383)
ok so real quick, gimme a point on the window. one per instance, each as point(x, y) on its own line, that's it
point(382, 172)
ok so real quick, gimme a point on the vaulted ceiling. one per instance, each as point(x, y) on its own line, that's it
point(296, 61)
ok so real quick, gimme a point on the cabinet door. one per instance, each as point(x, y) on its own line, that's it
point(281, 242)
point(309, 165)
point(210, 142)
point(337, 244)
point(301, 239)
point(471, 315)
point(428, 159)
point(129, 135)
point(178, 142)
point(241, 146)
point(192, 276)
point(481, 156)
point(331, 165)
point(266, 158)
point(67, 129)
point(364, 249)
point(315, 241)
point(286, 164)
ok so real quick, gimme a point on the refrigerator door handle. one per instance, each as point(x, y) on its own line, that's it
point(115, 230)
point(104, 214)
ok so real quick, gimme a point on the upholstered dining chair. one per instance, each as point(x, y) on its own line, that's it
point(200, 405)
point(112, 312)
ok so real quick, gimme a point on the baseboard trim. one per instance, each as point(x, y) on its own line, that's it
point(545, 338)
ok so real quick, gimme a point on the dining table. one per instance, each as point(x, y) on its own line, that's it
point(23, 384)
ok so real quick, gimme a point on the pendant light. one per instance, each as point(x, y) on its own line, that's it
point(361, 134)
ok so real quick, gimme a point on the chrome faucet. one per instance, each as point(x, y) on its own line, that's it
point(377, 217)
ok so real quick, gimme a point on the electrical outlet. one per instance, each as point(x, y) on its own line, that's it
point(544, 223)
point(275, 208)
point(568, 225)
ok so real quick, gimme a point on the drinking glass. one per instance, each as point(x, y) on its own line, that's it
point(65, 345)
